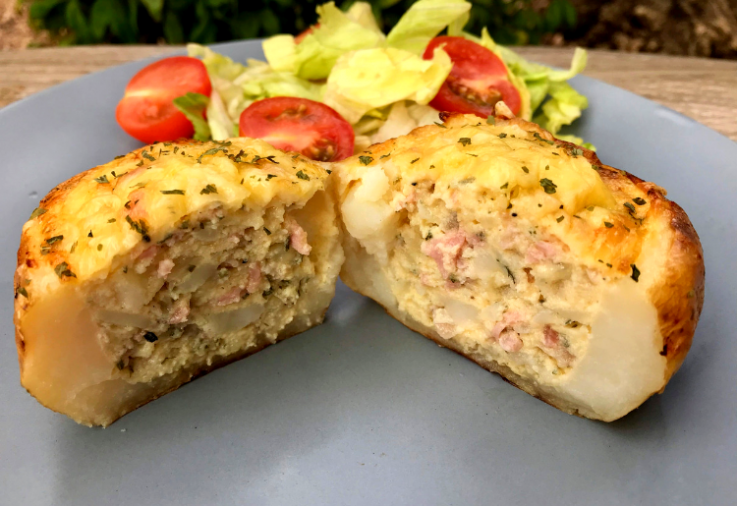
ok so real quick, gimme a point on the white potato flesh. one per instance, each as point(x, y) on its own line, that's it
point(622, 366)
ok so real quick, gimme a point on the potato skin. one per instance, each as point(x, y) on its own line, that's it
point(676, 290)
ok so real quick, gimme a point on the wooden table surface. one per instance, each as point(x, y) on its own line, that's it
point(703, 89)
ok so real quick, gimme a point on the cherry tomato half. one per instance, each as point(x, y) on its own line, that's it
point(477, 81)
point(146, 111)
point(299, 124)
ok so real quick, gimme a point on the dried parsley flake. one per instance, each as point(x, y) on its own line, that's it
point(548, 185)
point(635, 272)
point(62, 270)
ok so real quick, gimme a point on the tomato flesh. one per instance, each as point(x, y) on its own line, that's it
point(146, 110)
point(299, 124)
point(477, 81)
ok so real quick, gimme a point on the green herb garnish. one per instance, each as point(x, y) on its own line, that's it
point(147, 156)
point(538, 137)
point(22, 291)
point(525, 170)
point(365, 160)
point(465, 141)
point(56, 238)
point(302, 175)
point(608, 225)
point(140, 227)
point(413, 161)
point(635, 272)
point(560, 218)
point(548, 185)
point(639, 201)
point(502, 135)
point(210, 188)
point(102, 179)
point(491, 120)
point(630, 207)
point(37, 212)
point(172, 192)
point(62, 270)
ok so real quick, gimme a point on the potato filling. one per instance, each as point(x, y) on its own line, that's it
point(216, 286)
point(492, 281)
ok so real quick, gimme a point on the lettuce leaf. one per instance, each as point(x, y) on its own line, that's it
point(362, 81)
point(193, 105)
point(562, 108)
point(424, 20)
point(564, 104)
point(338, 33)
point(363, 14)
point(236, 86)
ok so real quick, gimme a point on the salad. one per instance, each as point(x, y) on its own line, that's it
point(343, 84)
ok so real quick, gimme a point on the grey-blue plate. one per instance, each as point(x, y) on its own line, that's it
point(362, 411)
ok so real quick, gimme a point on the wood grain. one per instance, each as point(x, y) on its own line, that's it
point(703, 89)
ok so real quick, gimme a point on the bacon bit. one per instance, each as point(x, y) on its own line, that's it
point(508, 319)
point(402, 202)
point(530, 277)
point(297, 236)
point(445, 250)
point(148, 253)
point(230, 297)
point(137, 210)
point(254, 278)
point(180, 311)
point(510, 341)
point(551, 339)
point(165, 267)
point(541, 251)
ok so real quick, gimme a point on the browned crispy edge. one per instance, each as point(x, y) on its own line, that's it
point(678, 295)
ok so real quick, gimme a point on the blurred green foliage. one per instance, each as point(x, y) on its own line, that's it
point(207, 21)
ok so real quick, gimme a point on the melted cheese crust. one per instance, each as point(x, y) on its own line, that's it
point(141, 197)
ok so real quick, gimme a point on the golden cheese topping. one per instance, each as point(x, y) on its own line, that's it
point(142, 197)
point(509, 166)
point(503, 159)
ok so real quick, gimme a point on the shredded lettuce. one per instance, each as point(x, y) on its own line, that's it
point(336, 34)
point(193, 105)
point(377, 83)
point(365, 80)
point(564, 104)
point(424, 20)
